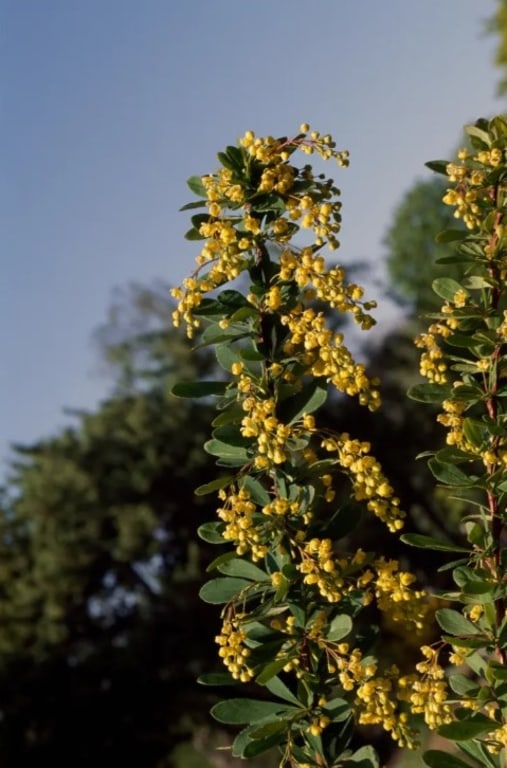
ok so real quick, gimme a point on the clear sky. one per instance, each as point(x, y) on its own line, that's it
point(107, 106)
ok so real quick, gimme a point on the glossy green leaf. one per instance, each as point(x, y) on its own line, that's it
point(214, 485)
point(478, 133)
point(195, 389)
point(195, 204)
point(474, 431)
point(446, 287)
point(269, 673)
point(428, 393)
point(278, 688)
point(478, 751)
point(337, 709)
point(245, 745)
point(455, 623)
point(225, 450)
point(194, 234)
point(463, 730)
point(340, 627)
point(463, 685)
point(435, 758)
point(365, 757)
point(449, 474)
point(217, 678)
point(308, 400)
point(243, 569)
point(438, 166)
point(450, 235)
point(218, 591)
point(195, 184)
point(240, 711)
point(256, 490)
point(226, 356)
point(211, 532)
point(428, 542)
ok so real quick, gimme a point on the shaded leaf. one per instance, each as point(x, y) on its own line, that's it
point(214, 485)
point(194, 389)
point(428, 542)
point(243, 569)
point(217, 678)
point(435, 758)
point(218, 591)
point(194, 183)
point(463, 730)
point(340, 627)
point(240, 711)
point(455, 623)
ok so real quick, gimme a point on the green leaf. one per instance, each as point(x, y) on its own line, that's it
point(462, 685)
point(428, 393)
point(249, 742)
point(194, 389)
point(450, 235)
point(194, 234)
point(428, 542)
point(446, 288)
point(240, 711)
point(435, 758)
point(463, 730)
point(278, 688)
point(218, 591)
point(365, 757)
point(196, 204)
point(453, 622)
point(474, 431)
point(225, 450)
point(226, 356)
point(308, 400)
point(214, 485)
point(256, 490)
point(439, 166)
point(337, 709)
point(217, 678)
point(243, 569)
point(211, 532)
point(478, 751)
point(194, 183)
point(216, 335)
point(340, 627)
point(478, 133)
point(449, 474)
point(269, 673)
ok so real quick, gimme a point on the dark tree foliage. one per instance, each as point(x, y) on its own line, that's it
point(411, 248)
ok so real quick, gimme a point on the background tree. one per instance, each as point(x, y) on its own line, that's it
point(411, 247)
point(99, 571)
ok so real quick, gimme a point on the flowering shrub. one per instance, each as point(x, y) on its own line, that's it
point(294, 598)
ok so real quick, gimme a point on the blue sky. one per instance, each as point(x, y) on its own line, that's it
point(107, 106)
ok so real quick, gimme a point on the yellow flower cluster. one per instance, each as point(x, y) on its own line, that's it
point(377, 700)
point(309, 269)
point(325, 355)
point(395, 597)
point(432, 365)
point(368, 481)
point(232, 650)
point(453, 419)
point(261, 422)
point(237, 512)
point(427, 694)
point(321, 568)
point(470, 191)
point(233, 233)
point(267, 147)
